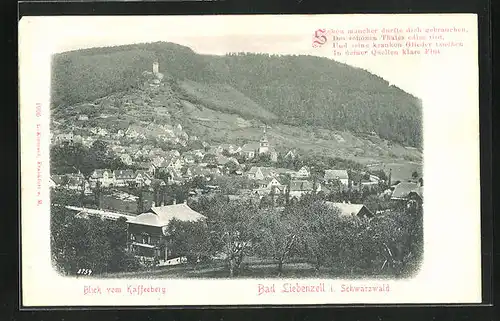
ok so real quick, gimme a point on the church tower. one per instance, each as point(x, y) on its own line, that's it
point(264, 143)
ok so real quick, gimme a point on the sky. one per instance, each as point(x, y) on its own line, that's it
point(220, 34)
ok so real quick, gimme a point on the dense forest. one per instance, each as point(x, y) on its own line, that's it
point(299, 89)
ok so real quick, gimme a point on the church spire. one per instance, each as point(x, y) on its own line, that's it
point(264, 143)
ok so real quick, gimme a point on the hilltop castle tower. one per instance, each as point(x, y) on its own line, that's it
point(156, 67)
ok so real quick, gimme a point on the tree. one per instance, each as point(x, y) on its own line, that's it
point(98, 191)
point(414, 175)
point(140, 200)
point(233, 229)
point(318, 230)
point(95, 244)
point(70, 158)
point(189, 239)
point(279, 235)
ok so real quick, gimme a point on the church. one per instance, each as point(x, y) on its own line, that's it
point(251, 150)
point(264, 147)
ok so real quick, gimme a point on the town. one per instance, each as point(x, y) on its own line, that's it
point(149, 181)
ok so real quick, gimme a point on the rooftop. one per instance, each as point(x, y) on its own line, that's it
point(347, 209)
point(336, 174)
point(161, 215)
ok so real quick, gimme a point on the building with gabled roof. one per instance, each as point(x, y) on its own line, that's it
point(303, 172)
point(301, 187)
point(249, 150)
point(147, 232)
point(347, 209)
point(104, 176)
point(403, 189)
point(337, 174)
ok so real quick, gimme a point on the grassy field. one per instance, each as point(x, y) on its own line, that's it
point(402, 170)
point(252, 268)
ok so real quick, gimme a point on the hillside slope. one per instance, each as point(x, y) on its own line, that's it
point(298, 90)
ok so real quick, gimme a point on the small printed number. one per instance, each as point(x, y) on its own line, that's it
point(84, 272)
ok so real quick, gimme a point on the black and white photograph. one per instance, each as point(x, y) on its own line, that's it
point(240, 155)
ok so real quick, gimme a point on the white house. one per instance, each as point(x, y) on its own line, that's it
point(333, 174)
point(104, 176)
point(126, 159)
point(303, 172)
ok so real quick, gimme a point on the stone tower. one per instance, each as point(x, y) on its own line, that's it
point(156, 67)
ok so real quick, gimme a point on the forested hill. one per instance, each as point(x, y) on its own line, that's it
point(299, 89)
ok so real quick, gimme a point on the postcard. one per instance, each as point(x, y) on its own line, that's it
point(225, 160)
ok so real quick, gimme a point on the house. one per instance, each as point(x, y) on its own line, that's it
point(88, 141)
point(126, 159)
point(303, 172)
point(83, 117)
point(69, 182)
point(77, 181)
point(64, 137)
point(134, 133)
point(223, 160)
point(143, 178)
point(147, 233)
point(249, 150)
point(158, 161)
point(118, 149)
point(198, 153)
point(104, 215)
point(403, 189)
point(199, 171)
point(269, 184)
point(123, 177)
point(139, 154)
point(369, 185)
point(157, 182)
point(170, 163)
point(341, 175)
point(300, 187)
point(213, 150)
point(284, 171)
point(147, 166)
point(273, 154)
point(187, 173)
point(104, 176)
point(409, 194)
point(173, 153)
point(102, 132)
point(228, 148)
point(77, 139)
point(347, 210)
point(189, 158)
point(52, 182)
point(291, 154)
point(175, 177)
point(261, 172)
